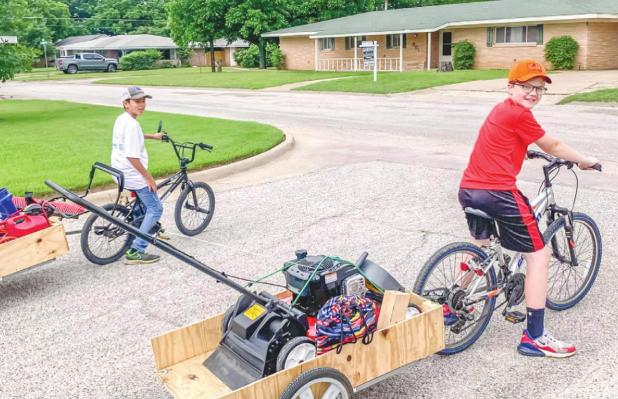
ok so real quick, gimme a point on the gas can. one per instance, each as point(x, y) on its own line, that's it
point(22, 225)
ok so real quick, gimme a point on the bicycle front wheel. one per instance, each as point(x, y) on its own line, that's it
point(442, 280)
point(101, 241)
point(194, 208)
point(568, 283)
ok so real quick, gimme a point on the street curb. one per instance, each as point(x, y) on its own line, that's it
point(107, 196)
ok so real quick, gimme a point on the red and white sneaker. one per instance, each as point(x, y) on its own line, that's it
point(545, 345)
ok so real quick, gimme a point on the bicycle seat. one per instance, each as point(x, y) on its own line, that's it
point(477, 212)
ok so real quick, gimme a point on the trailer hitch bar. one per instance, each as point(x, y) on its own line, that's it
point(269, 301)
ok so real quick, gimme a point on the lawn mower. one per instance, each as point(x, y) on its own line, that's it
point(263, 333)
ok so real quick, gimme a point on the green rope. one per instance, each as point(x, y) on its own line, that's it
point(289, 264)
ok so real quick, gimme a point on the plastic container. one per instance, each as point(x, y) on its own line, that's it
point(22, 225)
point(6, 204)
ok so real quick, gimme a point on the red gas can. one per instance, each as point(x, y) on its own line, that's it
point(22, 225)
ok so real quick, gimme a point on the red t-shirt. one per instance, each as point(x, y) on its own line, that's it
point(501, 147)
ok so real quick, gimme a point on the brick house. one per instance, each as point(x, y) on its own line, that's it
point(224, 52)
point(118, 46)
point(421, 38)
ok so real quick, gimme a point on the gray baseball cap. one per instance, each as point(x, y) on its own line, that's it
point(133, 93)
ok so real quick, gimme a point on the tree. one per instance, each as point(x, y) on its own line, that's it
point(47, 20)
point(198, 22)
point(251, 18)
point(119, 17)
point(309, 11)
point(13, 58)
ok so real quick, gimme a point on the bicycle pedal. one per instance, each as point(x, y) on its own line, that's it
point(514, 316)
point(456, 329)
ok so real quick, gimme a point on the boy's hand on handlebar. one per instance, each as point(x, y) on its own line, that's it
point(158, 136)
point(587, 163)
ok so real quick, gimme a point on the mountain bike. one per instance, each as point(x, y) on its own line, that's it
point(469, 279)
point(103, 243)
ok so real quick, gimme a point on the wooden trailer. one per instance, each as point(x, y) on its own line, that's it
point(179, 356)
point(33, 249)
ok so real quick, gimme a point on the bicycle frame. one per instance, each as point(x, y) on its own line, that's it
point(543, 204)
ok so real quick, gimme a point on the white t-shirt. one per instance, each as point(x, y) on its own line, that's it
point(128, 142)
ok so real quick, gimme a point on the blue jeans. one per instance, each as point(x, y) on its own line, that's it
point(154, 210)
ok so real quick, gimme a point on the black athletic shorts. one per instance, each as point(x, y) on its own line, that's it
point(517, 227)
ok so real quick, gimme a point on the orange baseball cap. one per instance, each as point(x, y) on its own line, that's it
point(525, 70)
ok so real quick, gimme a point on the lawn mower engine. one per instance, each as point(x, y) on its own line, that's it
point(313, 280)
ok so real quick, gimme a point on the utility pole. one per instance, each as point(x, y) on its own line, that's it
point(44, 44)
point(385, 5)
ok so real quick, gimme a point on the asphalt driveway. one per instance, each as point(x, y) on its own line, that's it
point(375, 173)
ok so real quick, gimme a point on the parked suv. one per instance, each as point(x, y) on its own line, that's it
point(86, 62)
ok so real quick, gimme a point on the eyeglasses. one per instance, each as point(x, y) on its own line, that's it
point(540, 90)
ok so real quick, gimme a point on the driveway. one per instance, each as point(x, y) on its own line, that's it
point(564, 83)
point(375, 173)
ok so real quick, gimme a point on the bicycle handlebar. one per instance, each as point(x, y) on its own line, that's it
point(185, 146)
point(554, 161)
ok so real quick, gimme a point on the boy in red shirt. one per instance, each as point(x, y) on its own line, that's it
point(489, 184)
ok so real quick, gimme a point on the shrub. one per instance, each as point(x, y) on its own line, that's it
point(139, 60)
point(165, 64)
point(561, 52)
point(185, 55)
point(463, 55)
point(275, 56)
point(250, 57)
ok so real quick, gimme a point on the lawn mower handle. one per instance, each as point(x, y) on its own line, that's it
point(165, 247)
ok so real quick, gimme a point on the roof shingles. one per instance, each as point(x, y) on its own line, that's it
point(432, 18)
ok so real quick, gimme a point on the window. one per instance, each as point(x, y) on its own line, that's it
point(327, 43)
point(393, 41)
point(447, 41)
point(519, 34)
point(349, 41)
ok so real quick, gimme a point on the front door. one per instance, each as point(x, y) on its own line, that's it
point(446, 41)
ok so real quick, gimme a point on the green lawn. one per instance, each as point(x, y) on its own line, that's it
point(54, 74)
point(60, 141)
point(192, 77)
point(398, 82)
point(604, 96)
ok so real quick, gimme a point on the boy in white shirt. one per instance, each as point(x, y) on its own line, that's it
point(130, 157)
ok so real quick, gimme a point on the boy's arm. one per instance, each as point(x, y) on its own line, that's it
point(156, 136)
point(135, 162)
point(557, 148)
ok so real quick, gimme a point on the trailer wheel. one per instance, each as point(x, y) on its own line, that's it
point(296, 351)
point(320, 383)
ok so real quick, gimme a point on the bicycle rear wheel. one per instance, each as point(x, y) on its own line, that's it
point(569, 284)
point(103, 242)
point(436, 282)
point(194, 208)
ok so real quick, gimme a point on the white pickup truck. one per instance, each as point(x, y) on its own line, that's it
point(86, 62)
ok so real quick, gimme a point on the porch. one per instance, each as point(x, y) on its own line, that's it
point(396, 52)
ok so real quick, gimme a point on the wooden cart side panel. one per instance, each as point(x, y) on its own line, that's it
point(178, 345)
point(32, 249)
point(434, 341)
point(392, 348)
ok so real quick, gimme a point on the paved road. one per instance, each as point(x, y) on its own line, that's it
point(376, 173)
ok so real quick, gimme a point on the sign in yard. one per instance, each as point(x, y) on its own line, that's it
point(370, 55)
